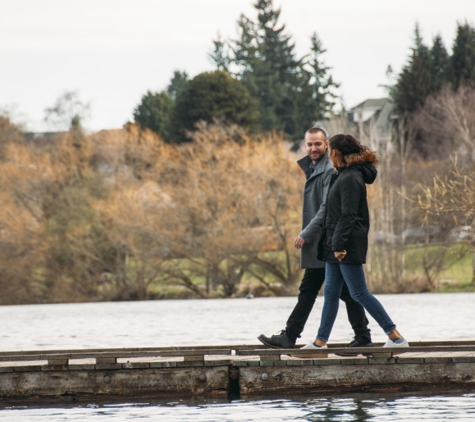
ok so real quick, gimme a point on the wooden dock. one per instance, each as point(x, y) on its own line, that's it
point(230, 372)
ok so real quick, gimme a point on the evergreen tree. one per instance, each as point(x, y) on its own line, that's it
point(463, 56)
point(209, 96)
point(290, 91)
point(220, 56)
point(177, 83)
point(154, 112)
point(441, 66)
point(415, 81)
point(246, 46)
point(427, 73)
point(275, 47)
point(414, 84)
point(257, 74)
point(321, 86)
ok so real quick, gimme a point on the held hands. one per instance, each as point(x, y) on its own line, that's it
point(340, 255)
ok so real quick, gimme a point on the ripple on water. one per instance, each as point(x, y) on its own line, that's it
point(363, 407)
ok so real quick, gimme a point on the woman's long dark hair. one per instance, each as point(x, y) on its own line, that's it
point(346, 144)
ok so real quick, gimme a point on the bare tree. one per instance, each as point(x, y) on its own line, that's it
point(69, 112)
point(447, 121)
point(234, 186)
point(452, 195)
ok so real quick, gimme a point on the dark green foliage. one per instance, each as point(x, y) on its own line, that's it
point(463, 57)
point(426, 73)
point(154, 112)
point(291, 92)
point(442, 71)
point(256, 74)
point(319, 98)
point(415, 80)
point(429, 70)
point(414, 84)
point(209, 96)
point(177, 83)
point(220, 56)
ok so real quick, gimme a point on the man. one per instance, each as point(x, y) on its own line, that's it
point(319, 171)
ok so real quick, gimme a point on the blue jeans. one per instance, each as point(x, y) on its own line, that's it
point(311, 284)
point(353, 275)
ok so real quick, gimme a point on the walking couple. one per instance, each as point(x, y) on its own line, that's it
point(334, 243)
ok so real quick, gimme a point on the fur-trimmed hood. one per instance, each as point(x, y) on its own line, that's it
point(363, 157)
point(366, 162)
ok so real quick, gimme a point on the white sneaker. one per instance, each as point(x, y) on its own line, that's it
point(312, 346)
point(400, 342)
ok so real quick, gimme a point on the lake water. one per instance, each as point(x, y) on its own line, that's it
point(235, 321)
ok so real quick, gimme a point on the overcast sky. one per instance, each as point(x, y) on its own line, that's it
point(113, 51)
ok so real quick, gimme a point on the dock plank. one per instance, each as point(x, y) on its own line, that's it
point(222, 370)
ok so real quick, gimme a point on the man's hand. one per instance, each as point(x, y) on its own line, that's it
point(299, 242)
point(340, 255)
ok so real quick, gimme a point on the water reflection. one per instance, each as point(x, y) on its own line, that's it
point(337, 409)
point(454, 406)
point(360, 407)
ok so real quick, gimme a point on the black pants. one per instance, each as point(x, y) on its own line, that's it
point(310, 285)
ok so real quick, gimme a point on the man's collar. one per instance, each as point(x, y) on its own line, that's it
point(320, 159)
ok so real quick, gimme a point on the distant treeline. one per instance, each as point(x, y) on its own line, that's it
point(261, 84)
point(122, 215)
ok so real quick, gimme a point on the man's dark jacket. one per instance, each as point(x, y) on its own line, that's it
point(313, 210)
point(347, 217)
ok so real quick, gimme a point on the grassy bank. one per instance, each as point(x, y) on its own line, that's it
point(449, 267)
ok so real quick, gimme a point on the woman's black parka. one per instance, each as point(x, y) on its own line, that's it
point(346, 223)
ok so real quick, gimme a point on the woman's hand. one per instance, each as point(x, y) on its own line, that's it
point(340, 255)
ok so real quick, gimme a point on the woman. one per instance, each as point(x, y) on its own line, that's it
point(344, 242)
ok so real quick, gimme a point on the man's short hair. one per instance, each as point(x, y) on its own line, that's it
point(317, 129)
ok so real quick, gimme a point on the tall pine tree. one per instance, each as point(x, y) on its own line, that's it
point(441, 68)
point(463, 56)
point(291, 92)
point(220, 55)
point(321, 97)
point(177, 83)
point(426, 74)
point(415, 81)
point(414, 84)
point(256, 73)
